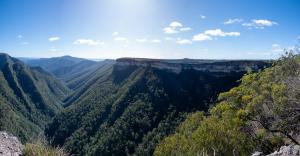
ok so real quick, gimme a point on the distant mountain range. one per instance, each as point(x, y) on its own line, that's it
point(122, 107)
point(73, 71)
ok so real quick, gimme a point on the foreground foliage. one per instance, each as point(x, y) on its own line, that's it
point(40, 147)
point(262, 113)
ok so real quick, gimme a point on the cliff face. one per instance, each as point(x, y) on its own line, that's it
point(200, 65)
point(10, 145)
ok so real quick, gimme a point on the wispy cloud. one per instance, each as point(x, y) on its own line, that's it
point(169, 38)
point(209, 34)
point(201, 37)
point(233, 21)
point(52, 39)
point(202, 16)
point(276, 48)
point(219, 32)
point(175, 27)
point(88, 42)
point(259, 23)
point(275, 45)
point(20, 36)
point(185, 29)
point(184, 41)
point(176, 24)
point(25, 43)
point(141, 40)
point(156, 41)
point(115, 33)
point(170, 30)
point(121, 39)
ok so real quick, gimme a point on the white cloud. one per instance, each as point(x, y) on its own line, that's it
point(20, 36)
point(275, 45)
point(52, 39)
point(202, 16)
point(121, 39)
point(88, 42)
point(141, 40)
point(264, 22)
point(185, 29)
point(184, 41)
point(170, 30)
point(232, 21)
point(25, 43)
point(219, 32)
point(169, 39)
point(208, 34)
point(276, 48)
point(259, 23)
point(156, 41)
point(174, 27)
point(115, 33)
point(201, 37)
point(175, 24)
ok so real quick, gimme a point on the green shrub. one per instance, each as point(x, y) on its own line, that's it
point(40, 147)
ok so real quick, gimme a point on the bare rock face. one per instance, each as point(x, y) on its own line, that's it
point(291, 150)
point(200, 65)
point(10, 145)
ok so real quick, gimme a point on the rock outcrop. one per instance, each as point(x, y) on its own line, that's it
point(10, 145)
point(291, 150)
point(201, 65)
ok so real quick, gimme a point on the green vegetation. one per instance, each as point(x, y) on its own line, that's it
point(262, 114)
point(40, 147)
point(122, 109)
point(29, 98)
point(129, 109)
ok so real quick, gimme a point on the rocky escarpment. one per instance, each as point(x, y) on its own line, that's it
point(10, 145)
point(291, 150)
point(200, 65)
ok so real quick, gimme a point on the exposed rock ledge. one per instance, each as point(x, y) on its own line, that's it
point(291, 150)
point(10, 145)
point(200, 65)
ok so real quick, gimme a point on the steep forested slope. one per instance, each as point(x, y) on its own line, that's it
point(132, 105)
point(29, 97)
point(261, 114)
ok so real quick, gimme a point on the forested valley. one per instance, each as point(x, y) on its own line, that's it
point(156, 107)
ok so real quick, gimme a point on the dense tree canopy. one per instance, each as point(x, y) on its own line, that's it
point(29, 98)
point(129, 109)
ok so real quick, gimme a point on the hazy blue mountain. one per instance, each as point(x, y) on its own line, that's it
point(73, 71)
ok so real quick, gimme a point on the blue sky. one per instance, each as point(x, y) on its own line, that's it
point(200, 29)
